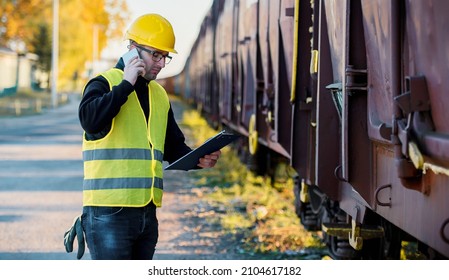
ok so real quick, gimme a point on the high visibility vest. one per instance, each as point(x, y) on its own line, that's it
point(124, 169)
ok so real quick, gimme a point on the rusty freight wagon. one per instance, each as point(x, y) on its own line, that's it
point(353, 95)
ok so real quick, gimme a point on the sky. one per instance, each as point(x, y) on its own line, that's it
point(185, 16)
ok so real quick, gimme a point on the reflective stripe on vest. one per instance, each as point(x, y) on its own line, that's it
point(124, 168)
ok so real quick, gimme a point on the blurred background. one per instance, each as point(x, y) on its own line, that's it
point(52, 47)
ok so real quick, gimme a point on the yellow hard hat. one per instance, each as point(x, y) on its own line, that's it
point(152, 30)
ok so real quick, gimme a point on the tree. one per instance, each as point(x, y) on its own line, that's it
point(78, 21)
point(23, 21)
point(41, 45)
point(19, 17)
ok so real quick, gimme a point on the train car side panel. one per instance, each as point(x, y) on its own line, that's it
point(419, 190)
point(247, 61)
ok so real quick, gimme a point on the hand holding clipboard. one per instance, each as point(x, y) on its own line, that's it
point(191, 160)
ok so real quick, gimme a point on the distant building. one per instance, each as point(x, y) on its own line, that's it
point(19, 71)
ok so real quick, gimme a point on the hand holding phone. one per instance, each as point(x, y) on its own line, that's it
point(132, 71)
point(127, 57)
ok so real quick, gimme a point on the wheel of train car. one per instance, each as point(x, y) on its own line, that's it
point(253, 135)
point(309, 220)
point(338, 247)
point(392, 242)
point(388, 247)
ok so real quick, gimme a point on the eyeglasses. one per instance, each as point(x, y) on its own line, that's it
point(155, 55)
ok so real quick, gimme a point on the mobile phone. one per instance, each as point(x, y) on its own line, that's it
point(129, 55)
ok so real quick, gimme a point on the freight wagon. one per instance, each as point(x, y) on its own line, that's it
point(353, 94)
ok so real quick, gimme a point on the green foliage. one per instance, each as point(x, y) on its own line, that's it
point(235, 221)
point(202, 131)
point(41, 45)
point(410, 251)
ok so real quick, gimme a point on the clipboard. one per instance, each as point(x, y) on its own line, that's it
point(191, 159)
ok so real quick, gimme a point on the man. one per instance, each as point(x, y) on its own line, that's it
point(129, 131)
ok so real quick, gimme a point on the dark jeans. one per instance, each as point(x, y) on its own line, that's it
point(120, 233)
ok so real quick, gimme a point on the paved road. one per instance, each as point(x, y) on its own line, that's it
point(40, 182)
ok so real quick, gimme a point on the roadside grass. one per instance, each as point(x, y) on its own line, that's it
point(249, 207)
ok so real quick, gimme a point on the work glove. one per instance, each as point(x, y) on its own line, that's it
point(69, 237)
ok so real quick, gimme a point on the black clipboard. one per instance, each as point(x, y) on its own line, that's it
point(191, 159)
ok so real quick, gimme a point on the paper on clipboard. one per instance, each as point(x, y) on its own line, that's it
point(191, 160)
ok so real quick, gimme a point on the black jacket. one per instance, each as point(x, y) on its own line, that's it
point(99, 106)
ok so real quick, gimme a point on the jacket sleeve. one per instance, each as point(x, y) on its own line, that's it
point(99, 105)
